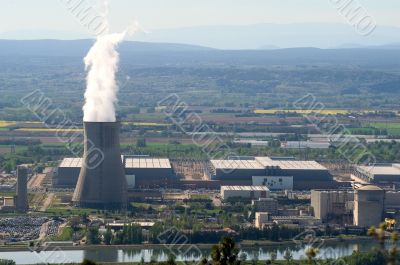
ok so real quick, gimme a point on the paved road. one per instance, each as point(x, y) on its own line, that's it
point(47, 202)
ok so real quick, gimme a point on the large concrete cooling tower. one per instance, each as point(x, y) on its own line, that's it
point(101, 182)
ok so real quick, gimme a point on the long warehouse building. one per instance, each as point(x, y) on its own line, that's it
point(306, 174)
point(141, 172)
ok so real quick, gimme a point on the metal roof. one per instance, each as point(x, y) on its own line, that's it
point(380, 170)
point(71, 162)
point(236, 164)
point(264, 162)
point(305, 144)
point(245, 188)
point(147, 163)
point(290, 164)
point(370, 188)
point(139, 162)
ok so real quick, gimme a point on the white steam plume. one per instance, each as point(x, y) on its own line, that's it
point(101, 87)
point(101, 62)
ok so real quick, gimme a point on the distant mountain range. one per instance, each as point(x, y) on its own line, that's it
point(259, 36)
point(159, 54)
point(81, 47)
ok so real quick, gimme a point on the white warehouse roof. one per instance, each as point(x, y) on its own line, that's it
point(236, 164)
point(264, 162)
point(290, 164)
point(147, 163)
point(71, 162)
point(381, 170)
point(245, 188)
point(130, 162)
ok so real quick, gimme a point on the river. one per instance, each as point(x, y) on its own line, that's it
point(184, 253)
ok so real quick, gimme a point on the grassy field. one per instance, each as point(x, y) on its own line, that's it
point(323, 111)
point(6, 149)
point(62, 211)
point(47, 130)
point(66, 234)
point(7, 193)
point(149, 124)
point(391, 128)
point(304, 112)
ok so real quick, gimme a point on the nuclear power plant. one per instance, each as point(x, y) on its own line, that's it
point(101, 182)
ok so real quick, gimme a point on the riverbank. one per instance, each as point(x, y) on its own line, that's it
point(245, 243)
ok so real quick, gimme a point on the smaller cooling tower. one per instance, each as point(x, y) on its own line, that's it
point(22, 189)
point(101, 182)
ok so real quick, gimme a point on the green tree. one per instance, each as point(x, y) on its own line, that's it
point(88, 262)
point(171, 260)
point(225, 253)
point(93, 236)
point(141, 142)
point(7, 262)
point(108, 236)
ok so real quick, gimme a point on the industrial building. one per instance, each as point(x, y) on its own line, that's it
point(369, 204)
point(7, 204)
point(269, 205)
point(306, 174)
point(247, 192)
point(296, 221)
point(332, 204)
point(265, 218)
point(149, 172)
point(392, 200)
point(139, 171)
point(261, 218)
point(67, 173)
point(379, 173)
point(236, 169)
point(305, 145)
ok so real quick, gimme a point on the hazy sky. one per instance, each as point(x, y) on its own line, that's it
point(157, 14)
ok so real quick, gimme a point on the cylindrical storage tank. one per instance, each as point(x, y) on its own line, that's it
point(101, 182)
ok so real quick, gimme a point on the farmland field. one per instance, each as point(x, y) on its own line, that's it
point(4, 124)
point(391, 128)
point(48, 130)
point(144, 123)
point(323, 111)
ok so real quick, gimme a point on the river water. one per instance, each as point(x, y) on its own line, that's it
point(184, 253)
